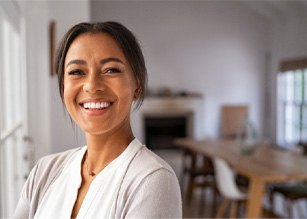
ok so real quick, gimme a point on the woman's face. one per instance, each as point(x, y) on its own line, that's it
point(99, 85)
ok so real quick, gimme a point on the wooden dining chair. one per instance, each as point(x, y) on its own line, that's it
point(291, 192)
point(200, 174)
point(232, 119)
point(196, 165)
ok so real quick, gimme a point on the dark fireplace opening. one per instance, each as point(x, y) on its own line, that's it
point(160, 131)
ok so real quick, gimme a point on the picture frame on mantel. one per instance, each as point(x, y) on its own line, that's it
point(52, 32)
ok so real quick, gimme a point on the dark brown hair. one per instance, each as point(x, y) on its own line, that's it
point(124, 38)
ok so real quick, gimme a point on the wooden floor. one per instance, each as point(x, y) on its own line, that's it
point(201, 204)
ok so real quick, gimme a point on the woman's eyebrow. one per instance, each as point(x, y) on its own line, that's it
point(102, 61)
point(111, 59)
point(76, 61)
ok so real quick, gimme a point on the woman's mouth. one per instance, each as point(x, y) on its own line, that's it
point(96, 105)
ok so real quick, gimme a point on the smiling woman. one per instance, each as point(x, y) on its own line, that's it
point(102, 74)
point(93, 76)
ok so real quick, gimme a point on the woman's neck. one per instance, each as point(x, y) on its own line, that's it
point(103, 149)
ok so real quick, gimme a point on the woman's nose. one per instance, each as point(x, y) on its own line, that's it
point(93, 83)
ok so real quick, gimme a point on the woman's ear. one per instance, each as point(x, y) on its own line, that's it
point(137, 93)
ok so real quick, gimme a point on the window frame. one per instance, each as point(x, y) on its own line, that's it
point(291, 93)
point(13, 114)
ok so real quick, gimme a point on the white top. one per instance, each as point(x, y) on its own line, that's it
point(137, 184)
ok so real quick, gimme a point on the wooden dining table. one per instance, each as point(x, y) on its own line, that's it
point(265, 165)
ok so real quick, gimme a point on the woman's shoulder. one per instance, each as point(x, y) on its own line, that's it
point(50, 166)
point(57, 159)
point(150, 161)
point(42, 175)
point(146, 163)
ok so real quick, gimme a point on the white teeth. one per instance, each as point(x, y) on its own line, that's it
point(92, 105)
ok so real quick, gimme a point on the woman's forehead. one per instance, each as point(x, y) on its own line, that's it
point(99, 44)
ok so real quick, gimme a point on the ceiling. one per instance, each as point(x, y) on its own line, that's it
point(274, 11)
point(278, 11)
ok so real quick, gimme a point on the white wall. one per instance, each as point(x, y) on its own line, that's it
point(37, 74)
point(215, 48)
point(49, 127)
point(64, 135)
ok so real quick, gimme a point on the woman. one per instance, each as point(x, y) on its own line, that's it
point(102, 73)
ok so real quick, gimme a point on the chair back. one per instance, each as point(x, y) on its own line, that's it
point(225, 179)
point(232, 119)
point(303, 146)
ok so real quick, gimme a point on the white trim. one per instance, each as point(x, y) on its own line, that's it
point(1, 68)
point(13, 165)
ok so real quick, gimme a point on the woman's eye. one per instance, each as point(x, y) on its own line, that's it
point(76, 72)
point(112, 70)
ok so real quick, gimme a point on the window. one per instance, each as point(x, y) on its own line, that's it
point(12, 125)
point(292, 103)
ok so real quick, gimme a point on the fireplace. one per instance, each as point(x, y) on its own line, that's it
point(161, 119)
point(161, 129)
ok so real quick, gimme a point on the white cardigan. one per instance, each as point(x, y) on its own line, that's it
point(137, 184)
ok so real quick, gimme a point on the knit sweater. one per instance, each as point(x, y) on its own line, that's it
point(137, 184)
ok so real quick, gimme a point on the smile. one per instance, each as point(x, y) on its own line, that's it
point(96, 105)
